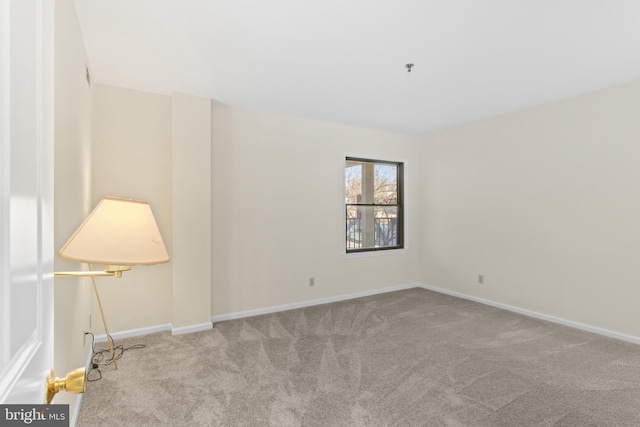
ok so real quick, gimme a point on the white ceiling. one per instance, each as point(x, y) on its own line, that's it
point(343, 60)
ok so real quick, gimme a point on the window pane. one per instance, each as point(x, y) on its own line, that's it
point(385, 184)
point(372, 227)
point(353, 182)
point(371, 183)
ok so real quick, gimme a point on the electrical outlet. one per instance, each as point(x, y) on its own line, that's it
point(312, 281)
point(481, 278)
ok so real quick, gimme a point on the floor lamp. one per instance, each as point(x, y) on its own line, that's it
point(118, 234)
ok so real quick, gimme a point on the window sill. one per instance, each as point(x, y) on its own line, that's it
point(374, 253)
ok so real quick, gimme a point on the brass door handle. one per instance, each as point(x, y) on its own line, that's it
point(73, 383)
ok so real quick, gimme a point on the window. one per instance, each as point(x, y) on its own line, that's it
point(373, 205)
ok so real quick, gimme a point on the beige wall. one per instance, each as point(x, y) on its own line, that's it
point(72, 189)
point(539, 201)
point(278, 210)
point(545, 204)
point(132, 159)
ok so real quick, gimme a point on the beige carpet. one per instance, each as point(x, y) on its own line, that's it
point(407, 358)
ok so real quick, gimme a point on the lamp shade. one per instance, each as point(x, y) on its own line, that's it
point(117, 232)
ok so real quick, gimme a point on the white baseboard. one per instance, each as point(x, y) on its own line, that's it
point(308, 303)
point(191, 328)
point(153, 329)
point(135, 332)
point(565, 322)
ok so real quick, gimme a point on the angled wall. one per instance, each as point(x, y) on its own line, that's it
point(191, 180)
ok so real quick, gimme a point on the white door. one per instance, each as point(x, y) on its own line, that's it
point(26, 204)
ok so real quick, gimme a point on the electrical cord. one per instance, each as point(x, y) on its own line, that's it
point(103, 357)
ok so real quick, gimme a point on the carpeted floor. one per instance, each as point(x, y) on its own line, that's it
point(406, 358)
